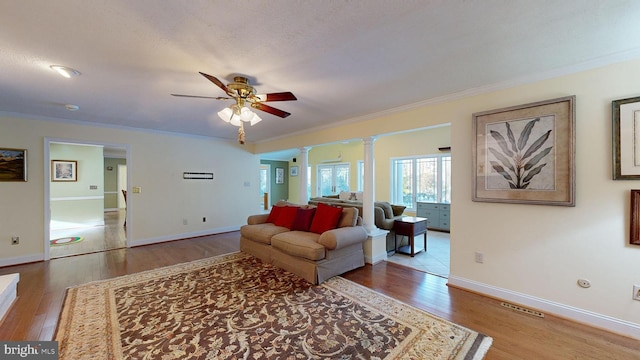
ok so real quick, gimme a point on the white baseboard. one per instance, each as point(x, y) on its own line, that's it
point(21, 260)
point(374, 260)
point(609, 323)
point(161, 239)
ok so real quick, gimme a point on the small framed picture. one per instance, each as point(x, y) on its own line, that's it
point(64, 170)
point(279, 175)
point(626, 139)
point(293, 171)
point(13, 164)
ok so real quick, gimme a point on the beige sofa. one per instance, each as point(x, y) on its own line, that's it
point(385, 214)
point(312, 256)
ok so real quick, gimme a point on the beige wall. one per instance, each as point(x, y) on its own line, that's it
point(157, 161)
point(74, 203)
point(422, 142)
point(535, 254)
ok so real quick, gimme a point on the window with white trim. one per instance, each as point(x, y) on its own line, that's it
point(421, 178)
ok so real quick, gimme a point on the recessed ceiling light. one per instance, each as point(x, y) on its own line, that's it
point(65, 71)
point(72, 107)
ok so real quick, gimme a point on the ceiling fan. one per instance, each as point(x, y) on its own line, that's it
point(245, 95)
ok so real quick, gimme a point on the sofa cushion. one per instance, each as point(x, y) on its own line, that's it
point(275, 212)
point(349, 217)
point(261, 233)
point(303, 219)
point(326, 218)
point(398, 209)
point(299, 243)
point(286, 217)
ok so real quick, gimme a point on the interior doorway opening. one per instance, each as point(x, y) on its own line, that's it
point(85, 212)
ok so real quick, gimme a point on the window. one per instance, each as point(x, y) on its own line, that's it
point(423, 178)
point(332, 179)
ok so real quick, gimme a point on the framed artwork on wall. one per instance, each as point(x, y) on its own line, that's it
point(626, 139)
point(64, 170)
point(279, 175)
point(634, 233)
point(525, 154)
point(293, 171)
point(13, 164)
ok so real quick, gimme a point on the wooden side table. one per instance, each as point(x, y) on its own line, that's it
point(410, 226)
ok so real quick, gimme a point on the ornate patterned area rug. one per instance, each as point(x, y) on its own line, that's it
point(236, 307)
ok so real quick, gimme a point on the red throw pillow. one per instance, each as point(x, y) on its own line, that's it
point(326, 218)
point(286, 217)
point(273, 215)
point(303, 219)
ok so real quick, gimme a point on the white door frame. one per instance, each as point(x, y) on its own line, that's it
point(47, 184)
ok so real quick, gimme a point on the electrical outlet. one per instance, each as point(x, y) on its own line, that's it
point(15, 240)
point(636, 292)
point(479, 257)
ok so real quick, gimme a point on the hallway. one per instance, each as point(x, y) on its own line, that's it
point(95, 239)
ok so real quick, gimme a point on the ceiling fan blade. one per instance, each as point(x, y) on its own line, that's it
point(270, 110)
point(281, 96)
point(214, 80)
point(203, 97)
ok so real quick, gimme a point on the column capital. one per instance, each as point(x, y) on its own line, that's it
point(369, 139)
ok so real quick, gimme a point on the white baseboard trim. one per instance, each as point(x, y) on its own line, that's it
point(161, 239)
point(21, 260)
point(374, 260)
point(601, 321)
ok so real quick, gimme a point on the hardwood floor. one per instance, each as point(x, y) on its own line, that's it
point(42, 288)
point(96, 238)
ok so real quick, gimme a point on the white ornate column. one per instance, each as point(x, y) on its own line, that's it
point(302, 175)
point(375, 248)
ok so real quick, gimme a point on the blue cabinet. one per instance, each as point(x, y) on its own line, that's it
point(437, 215)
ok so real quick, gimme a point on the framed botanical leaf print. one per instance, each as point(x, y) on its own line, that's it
point(526, 154)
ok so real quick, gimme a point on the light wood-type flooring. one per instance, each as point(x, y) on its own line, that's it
point(42, 288)
point(95, 238)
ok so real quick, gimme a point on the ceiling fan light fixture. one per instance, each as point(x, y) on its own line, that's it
point(249, 116)
point(225, 114)
point(65, 71)
point(235, 120)
point(255, 119)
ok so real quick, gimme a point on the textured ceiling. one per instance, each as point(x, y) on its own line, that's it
point(342, 59)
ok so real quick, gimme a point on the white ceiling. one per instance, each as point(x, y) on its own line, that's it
point(343, 60)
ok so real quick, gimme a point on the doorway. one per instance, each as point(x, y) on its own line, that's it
point(332, 179)
point(265, 186)
point(85, 215)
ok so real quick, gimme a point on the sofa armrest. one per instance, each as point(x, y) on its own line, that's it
point(381, 221)
point(257, 219)
point(342, 237)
